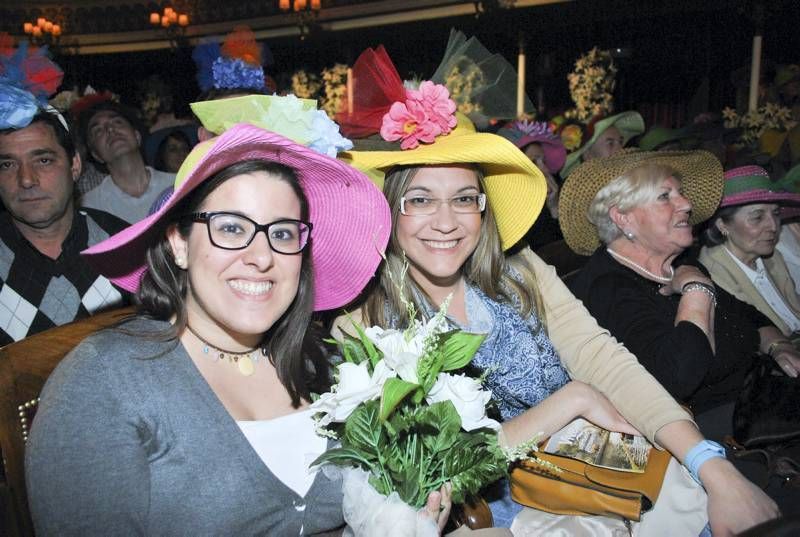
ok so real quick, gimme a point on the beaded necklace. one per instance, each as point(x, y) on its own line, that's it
point(246, 361)
point(632, 264)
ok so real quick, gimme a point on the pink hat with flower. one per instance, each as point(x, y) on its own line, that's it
point(523, 133)
point(350, 217)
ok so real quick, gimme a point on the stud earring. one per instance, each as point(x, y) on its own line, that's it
point(181, 262)
point(628, 235)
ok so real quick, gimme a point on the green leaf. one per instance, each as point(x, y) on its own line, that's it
point(409, 489)
point(473, 462)
point(459, 348)
point(353, 349)
point(394, 391)
point(343, 457)
point(362, 430)
point(443, 418)
point(374, 354)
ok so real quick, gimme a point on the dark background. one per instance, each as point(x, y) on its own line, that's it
point(669, 49)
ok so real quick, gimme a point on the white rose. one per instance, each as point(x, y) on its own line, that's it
point(468, 398)
point(400, 355)
point(355, 386)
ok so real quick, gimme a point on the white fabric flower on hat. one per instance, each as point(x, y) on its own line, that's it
point(467, 396)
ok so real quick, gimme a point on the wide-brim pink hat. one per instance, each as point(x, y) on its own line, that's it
point(350, 217)
point(752, 184)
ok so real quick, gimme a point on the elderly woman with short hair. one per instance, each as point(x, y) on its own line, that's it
point(642, 207)
point(739, 248)
point(698, 340)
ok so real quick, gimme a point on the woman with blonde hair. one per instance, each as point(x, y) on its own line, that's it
point(460, 202)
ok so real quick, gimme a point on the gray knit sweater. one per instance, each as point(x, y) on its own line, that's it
point(129, 439)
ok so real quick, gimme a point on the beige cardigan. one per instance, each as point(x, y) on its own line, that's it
point(728, 275)
point(592, 356)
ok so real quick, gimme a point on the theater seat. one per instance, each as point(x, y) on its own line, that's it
point(24, 368)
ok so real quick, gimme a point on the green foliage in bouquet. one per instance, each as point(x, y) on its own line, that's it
point(405, 421)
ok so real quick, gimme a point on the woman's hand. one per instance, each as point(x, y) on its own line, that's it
point(788, 359)
point(734, 503)
point(438, 506)
point(683, 275)
point(600, 411)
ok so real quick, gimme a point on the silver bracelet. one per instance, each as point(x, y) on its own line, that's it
point(701, 286)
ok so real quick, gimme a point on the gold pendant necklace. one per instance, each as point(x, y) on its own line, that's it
point(245, 361)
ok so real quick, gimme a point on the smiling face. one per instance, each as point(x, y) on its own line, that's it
point(235, 296)
point(752, 231)
point(438, 245)
point(36, 177)
point(110, 135)
point(661, 226)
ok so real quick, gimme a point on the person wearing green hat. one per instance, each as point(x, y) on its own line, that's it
point(609, 137)
point(739, 249)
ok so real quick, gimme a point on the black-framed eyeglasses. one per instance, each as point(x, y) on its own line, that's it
point(231, 231)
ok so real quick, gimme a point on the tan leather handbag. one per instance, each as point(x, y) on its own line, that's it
point(583, 489)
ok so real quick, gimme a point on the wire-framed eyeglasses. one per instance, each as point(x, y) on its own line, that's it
point(425, 206)
point(231, 231)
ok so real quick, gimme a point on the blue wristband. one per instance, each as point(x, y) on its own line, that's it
point(699, 454)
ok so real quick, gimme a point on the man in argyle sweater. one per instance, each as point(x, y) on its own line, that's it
point(44, 282)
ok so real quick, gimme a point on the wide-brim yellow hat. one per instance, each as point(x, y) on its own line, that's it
point(515, 187)
point(700, 173)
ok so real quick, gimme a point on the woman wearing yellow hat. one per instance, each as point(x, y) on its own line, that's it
point(460, 201)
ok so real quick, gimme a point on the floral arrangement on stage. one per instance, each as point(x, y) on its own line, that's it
point(756, 123)
point(404, 420)
point(305, 85)
point(591, 85)
point(334, 80)
point(462, 86)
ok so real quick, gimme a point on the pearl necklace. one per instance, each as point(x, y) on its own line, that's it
point(656, 277)
point(246, 361)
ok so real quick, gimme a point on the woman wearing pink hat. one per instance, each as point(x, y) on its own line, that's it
point(547, 151)
point(740, 252)
point(192, 418)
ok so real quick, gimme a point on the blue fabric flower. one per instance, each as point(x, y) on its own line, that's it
point(327, 139)
point(17, 106)
point(236, 74)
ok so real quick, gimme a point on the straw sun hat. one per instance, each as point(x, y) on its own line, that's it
point(700, 173)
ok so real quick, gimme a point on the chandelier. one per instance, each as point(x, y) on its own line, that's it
point(300, 5)
point(44, 31)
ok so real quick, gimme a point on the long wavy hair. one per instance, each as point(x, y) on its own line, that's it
point(507, 279)
point(291, 344)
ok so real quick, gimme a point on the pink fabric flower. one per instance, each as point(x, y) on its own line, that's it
point(426, 113)
point(437, 102)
